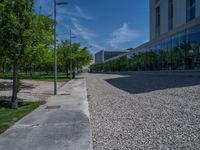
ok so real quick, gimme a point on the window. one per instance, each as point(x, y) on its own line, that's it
point(158, 21)
point(190, 9)
point(156, 1)
point(193, 48)
point(170, 15)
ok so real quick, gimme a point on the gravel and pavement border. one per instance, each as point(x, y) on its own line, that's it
point(145, 110)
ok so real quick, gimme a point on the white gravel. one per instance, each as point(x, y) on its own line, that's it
point(145, 110)
point(31, 90)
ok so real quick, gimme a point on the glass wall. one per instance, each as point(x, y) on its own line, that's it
point(157, 27)
point(156, 1)
point(170, 14)
point(111, 54)
point(180, 51)
point(190, 10)
point(193, 48)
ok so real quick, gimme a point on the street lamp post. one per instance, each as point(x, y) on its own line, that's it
point(55, 60)
point(55, 45)
point(70, 46)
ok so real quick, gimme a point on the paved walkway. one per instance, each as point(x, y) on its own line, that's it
point(32, 90)
point(61, 124)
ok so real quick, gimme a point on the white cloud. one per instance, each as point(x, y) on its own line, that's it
point(81, 14)
point(123, 35)
point(83, 32)
point(71, 11)
point(74, 12)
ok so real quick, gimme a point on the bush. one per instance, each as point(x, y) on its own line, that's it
point(8, 104)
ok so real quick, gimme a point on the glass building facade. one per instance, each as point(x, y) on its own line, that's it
point(190, 4)
point(174, 37)
point(170, 14)
point(157, 21)
point(156, 1)
point(102, 56)
point(177, 52)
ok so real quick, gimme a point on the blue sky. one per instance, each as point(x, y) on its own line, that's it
point(101, 24)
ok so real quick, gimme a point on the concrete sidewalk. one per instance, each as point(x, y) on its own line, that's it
point(61, 124)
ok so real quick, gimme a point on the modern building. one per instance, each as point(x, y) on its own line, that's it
point(103, 55)
point(117, 57)
point(170, 15)
point(174, 34)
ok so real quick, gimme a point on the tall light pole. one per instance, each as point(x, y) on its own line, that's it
point(55, 45)
point(70, 46)
point(55, 60)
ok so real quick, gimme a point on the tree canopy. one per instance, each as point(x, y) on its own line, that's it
point(74, 54)
point(26, 41)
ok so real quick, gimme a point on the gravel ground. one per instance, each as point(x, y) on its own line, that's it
point(145, 110)
point(31, 90)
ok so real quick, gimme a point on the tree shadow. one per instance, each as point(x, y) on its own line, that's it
point(27, 86)
point(7, 85)
point(142, 82)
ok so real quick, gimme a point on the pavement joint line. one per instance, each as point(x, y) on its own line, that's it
point(50, 124)
point(27, 125)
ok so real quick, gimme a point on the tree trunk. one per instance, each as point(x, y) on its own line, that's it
point(14, 90)
point(4, 68)
point(31, 71)
point(67, 69)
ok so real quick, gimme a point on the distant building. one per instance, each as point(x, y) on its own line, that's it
point(117, 57)
point(174, 32)
point(104, 55)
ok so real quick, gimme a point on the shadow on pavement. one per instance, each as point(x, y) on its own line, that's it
point(6, 89)
point(142, 82)
point(5, 86)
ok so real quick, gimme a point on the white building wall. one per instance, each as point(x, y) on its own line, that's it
point(179, 13)
point(152, 19)
point(179, 10)
point(197, 8)
point(163, 16)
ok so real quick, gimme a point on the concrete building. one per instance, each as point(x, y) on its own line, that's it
point(103, 55)
point(168, 15)
point(175, 31)
point(117, 57)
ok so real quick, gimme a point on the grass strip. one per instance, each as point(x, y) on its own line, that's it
point(61, 77)
point(9, 116)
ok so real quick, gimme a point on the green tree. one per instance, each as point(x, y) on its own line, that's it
point(80, 56)
point(15, 24)
point(63, 54)
point(42, 33)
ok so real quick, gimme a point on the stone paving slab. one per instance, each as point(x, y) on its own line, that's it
point(61, 124)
